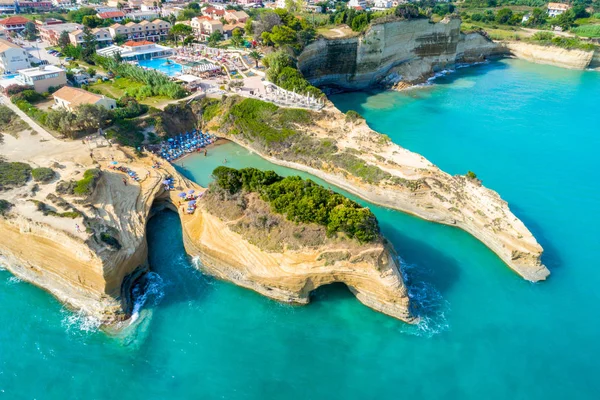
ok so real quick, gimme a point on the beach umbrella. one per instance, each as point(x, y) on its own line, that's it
point(114, 163)
point(182, 195)
point(191, 191)
point(192, 202)
point(166, 182)
point(170, 139)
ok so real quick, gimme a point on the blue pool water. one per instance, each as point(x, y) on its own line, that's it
point(169, 68)
point(528, 131)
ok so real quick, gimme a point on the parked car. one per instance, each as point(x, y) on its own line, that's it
point(58, 54)
point(50, 51)
point(69, 59)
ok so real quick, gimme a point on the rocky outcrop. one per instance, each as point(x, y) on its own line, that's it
point(392, 50)
point(92, 276)
point(551, 55)
point(338, 149)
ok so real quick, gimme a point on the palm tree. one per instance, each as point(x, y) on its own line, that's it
point(256, 56)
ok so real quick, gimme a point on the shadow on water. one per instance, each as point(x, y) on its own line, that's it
point(426, 264)
point(182, 281)
point(551, 257)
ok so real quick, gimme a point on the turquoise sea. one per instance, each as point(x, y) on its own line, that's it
point(531, 132)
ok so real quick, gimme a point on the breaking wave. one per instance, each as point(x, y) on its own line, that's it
point(79, 322)
point(426, 302)
point(150, 290)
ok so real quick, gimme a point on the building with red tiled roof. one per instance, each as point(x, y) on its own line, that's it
point(13, 24)
point(114, 15)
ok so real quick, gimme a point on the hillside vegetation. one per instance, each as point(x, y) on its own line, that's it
point(301, 201)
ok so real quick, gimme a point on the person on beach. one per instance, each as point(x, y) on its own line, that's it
point(205, 152)
point(124, 181)
point(77, 228)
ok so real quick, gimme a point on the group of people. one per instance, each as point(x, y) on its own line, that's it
point(185, 143)
point(130, 173)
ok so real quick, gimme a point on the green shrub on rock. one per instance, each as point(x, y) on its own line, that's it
point(43, 175)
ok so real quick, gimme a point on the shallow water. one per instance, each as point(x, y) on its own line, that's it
point(529, 131)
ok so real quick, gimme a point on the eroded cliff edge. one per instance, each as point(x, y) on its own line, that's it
point(393, 50)
point(95, 277)
point(345, 152)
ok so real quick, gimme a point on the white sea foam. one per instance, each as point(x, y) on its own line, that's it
point(150, 290)
point(14, 280)
point(427, 303)
point(79, 322)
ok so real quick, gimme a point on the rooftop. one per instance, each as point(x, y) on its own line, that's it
point(133, 43)
point(558, 6)
point(5, 45)
point(14, 21)
point(111, 14)
point(39, 71)
point(77, 96)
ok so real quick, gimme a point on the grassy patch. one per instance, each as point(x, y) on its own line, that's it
point(86, 186)
point(10, 122)
point(592, 31)
point(14, 174)
point(43, 175)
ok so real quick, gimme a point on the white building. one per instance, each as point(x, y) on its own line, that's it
point(135, 51)
point(12, 57)
point(382, 4)
point(555, 9)
point(8, 7)
point(41, 78)
point(142, 15)
point(70, 98)
point(357, 3)
point(280, 3)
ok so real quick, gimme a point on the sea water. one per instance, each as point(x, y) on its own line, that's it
point(529, 131)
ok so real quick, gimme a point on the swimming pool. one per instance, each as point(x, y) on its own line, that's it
point(163, 65)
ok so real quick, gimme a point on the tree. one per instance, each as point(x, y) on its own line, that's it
point(256, 56)
point(120, 38)
point(504, 15)
point(215, 38)
point(91, 72)
point(407, 11)
point(282, 35)
point(91, 21)
point(538, 17)
point(360, 22)
point(77, 15)
point(89, 45)
point(181, 30)
point(30, 31)
point(90, 117)
point(564, 20)
point(248, 26)
point(64, 40)
point(237, 37)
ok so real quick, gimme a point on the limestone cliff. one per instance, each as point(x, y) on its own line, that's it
point(406, 50)
point(551, 55)
point(92, 276)
point(347, 153)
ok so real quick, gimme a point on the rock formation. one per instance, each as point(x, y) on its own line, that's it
point(393, 50)
point(553, 55)
point(92, 276)
point(337, 149)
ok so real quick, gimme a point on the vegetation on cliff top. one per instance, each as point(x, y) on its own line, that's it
point(301, 201)
point(5, 206)
point(87, 185)
point(43, 175)
point(13, 174)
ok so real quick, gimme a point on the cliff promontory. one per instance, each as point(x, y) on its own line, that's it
point(343, 150)
point(83, 238)
point(393, 50)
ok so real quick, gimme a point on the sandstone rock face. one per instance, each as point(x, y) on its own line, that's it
point(90, 276)
point(552, 55)
point(400, 50)
point(418, 187)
